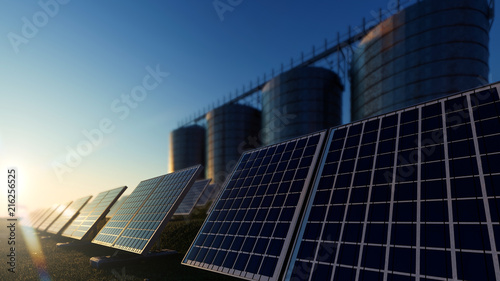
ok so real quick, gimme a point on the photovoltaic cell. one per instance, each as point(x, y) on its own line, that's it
point(53, 216)
point(192, 197)
point(95, 211)
point(411, 195)
point(206, 195)
point(250, 228)
point(68, 215)
point(140, 220)
point(116, 206)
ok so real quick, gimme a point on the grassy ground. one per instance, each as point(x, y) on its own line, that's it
point(73, 263)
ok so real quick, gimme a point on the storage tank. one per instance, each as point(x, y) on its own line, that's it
point(229, 129)
point(187, 147)
point(429, 50)
point(300, 101)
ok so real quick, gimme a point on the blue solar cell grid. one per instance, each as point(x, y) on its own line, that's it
point(206, 195)
point(412, 195)
point(68, 215)
point(116, 206)
point(92, 214)
point(110, 232)
point(249, 230)
point(192, 197)
point(140, 220)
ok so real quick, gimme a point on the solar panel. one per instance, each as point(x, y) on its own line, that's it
point(407, 196)
point(68, 215)
point(34, 217)
point(206, 195)
point(116, 206)
point(213, 196)
point(54, 216)
point(44, 217)
point(192, 197)
point(140, 220)
point(250, 228)
point(94, 212)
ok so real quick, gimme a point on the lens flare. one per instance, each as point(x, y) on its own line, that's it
point(35, 250)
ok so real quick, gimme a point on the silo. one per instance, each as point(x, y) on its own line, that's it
point(187, 147)
point(300, 101)
point(229, 129)
point(428, 50)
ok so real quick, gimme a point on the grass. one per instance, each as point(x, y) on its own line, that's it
point(73, 263)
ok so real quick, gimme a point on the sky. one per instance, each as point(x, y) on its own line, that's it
point(90, 90)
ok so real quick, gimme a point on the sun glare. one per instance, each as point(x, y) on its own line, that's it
point(36, 252)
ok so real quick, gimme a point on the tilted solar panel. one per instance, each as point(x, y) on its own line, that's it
point(116, 206)
point(54, 216)
point(82, 227)
point(251, 226)
point(213, 196)
point(68, 215)
point(34, 217)
point(140, 220)
point(206, 195)
point(45, 216)
point(192, 197)
point(110, 232)
point(406, 196)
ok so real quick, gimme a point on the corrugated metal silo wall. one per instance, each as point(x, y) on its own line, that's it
point(429, 50)
point(187, 147)
point(300, 101)
point(229, 129)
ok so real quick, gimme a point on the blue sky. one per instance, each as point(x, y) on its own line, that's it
point(70, 76)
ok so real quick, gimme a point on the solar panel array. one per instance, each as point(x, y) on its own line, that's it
point(116, 206)
point(248, 232)
point(68, 215)
point(35, 216)
point(45, 216)
point(54, 216)
point(140, 220)
point(192, 197)
point(95, 211)
point(424, 205)
point(206, 195)
point(410, 195)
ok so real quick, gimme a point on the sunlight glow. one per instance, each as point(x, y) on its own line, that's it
point(35, 250)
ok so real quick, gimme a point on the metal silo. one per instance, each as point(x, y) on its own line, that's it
point(430, 49)
point(300, 101)
point(187, 147)
point(229, 129)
